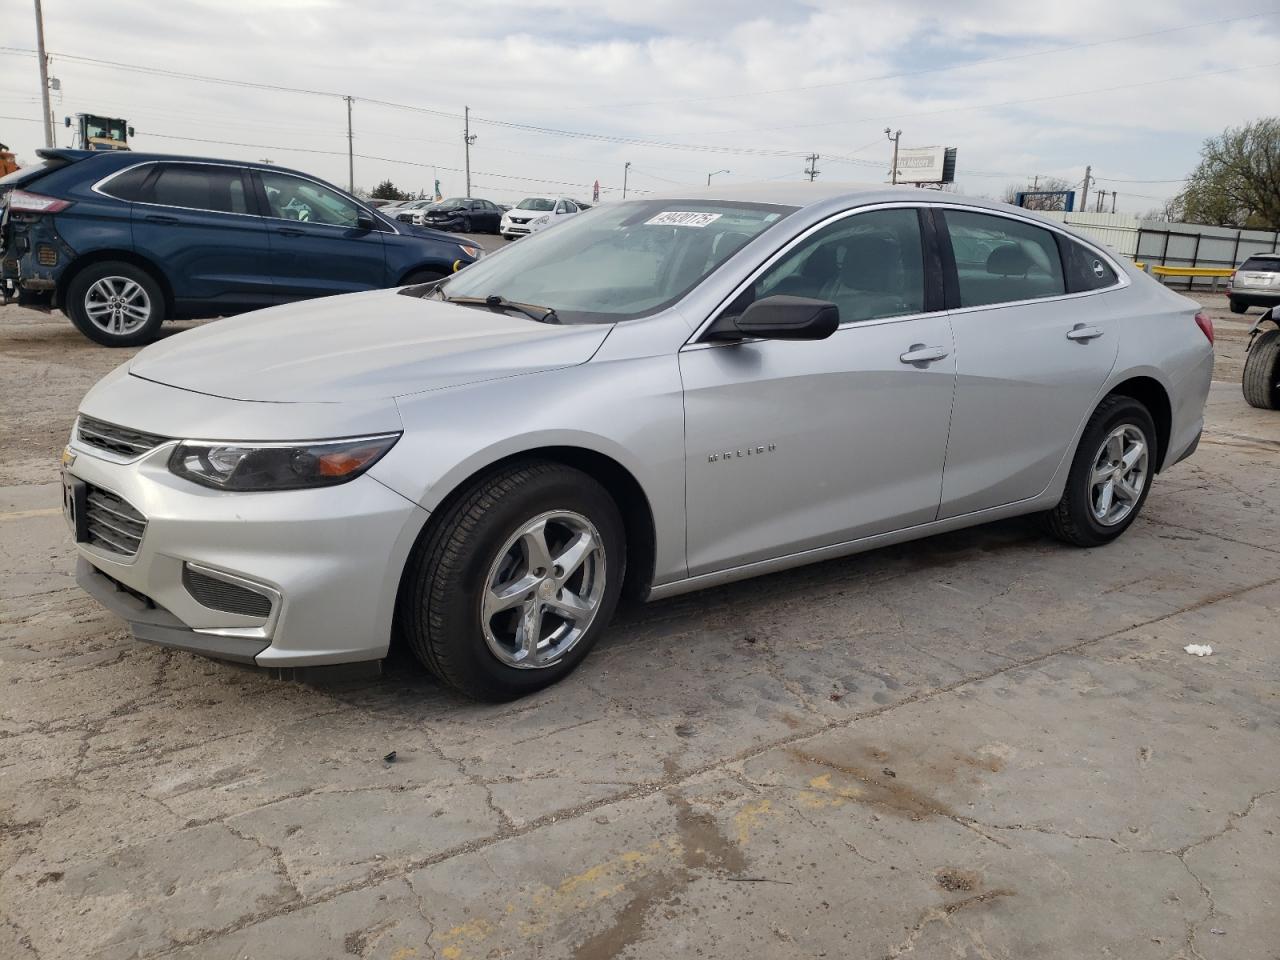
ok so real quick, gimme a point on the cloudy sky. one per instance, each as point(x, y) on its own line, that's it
point(679, 89)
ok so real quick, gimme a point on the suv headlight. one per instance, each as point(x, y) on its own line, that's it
point(278, 466)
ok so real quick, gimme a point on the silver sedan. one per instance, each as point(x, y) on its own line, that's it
point(661, 395)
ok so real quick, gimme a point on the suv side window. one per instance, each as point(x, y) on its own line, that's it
point(293, 198)
point(1085, 270)
point(871, 265)
point(129, 185)
point(198, 187)
point(1000, 260)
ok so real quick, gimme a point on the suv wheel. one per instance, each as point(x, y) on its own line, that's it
point(1110, 476)
point(1261, 381)
point(1237, 306)
point(115, 304)
point(509, 591)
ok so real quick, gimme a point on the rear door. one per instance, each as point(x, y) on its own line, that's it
point(1034, 344)
point(198, 223)
point(317, 246)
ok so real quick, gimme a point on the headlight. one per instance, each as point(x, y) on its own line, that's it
point(278, 466)
point(542, 220)
point(473, 252)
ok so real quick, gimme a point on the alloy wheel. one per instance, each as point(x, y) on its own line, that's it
point(543, 590)
point(1119, 474)
point(117, 305)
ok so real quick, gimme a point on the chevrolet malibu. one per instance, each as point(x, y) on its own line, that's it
point(661, 395)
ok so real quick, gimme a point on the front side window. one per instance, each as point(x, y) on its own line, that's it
point(870, 265)
point(1000, 260)
point(292, 198)
point(197, 187)
point(621, 261)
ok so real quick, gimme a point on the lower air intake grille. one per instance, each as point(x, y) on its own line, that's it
point(113, 524)
point(218, 594)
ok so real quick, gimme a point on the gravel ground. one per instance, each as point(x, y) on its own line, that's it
point(978, 745)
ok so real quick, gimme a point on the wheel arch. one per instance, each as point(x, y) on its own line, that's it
point(87, 260)
point(620, 483)
point(437, 266)
point(1152, 394)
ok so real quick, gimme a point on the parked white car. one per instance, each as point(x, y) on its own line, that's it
point(533, 214)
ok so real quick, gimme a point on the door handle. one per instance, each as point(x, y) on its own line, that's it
point(918, 353)
point(158, 218)
point(1084, 331)
point(289, 232)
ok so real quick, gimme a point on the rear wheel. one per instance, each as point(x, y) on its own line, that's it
point(509, 591)
point(1261, 381)
point(1110, 476)
point(1237, 306)
point(115, 304)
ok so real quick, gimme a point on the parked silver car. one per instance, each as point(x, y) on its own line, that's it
point(661, 395)
point(1255, 283)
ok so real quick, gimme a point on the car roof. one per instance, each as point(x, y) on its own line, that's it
point(127, 158)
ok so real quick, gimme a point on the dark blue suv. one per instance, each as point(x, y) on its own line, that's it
point(123, 241)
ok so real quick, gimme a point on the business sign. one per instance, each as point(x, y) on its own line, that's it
point(926, 164)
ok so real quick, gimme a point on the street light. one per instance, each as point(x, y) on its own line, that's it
point(713, 173)
point(625, 169)
point(894, 136)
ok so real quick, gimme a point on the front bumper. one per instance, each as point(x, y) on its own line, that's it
point(330, 559)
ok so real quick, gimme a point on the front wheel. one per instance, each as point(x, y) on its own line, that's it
point(1110, 475)
point(510, 589)
point(1261, 381)
point(466, 224)
point(115, 304)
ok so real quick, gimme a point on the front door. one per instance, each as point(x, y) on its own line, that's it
point(1032, 351)
point(317, 246)
point(792, 446)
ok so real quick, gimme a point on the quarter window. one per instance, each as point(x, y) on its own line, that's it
point(1085, 269)
point(999, 260)
point(870, 265)
point(197, 187)
point(128, 185)
point(292, 198)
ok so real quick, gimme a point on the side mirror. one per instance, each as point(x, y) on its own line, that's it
point(365, 220)
point(780, 318)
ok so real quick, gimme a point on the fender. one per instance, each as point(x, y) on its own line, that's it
point(1269, 316)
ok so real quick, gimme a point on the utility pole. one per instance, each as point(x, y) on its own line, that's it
point(894, 138)
point(812, 170)
point(1035, 184)
point(468, 138)
point(1113, 201)
point(44, 77)
point(1084, 194)
point(626, 167)
point(351, 157)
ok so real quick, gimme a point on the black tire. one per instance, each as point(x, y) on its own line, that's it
point(83, 294)
point(438, 608)
point(466, 224)
point(1237, 306)
point(1261, 381)
point(1073, 520)
point(422, 276)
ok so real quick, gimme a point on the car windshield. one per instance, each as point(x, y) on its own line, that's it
point(621, 261)
point(540, 204)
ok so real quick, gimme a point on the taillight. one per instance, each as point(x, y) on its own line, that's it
point(1205, 325)
point(24, 202)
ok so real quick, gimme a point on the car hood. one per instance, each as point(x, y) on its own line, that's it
point(359, 347)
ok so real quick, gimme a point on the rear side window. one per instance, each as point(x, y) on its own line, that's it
point(1000, 260)
point(129, 184)
point(1084, 269)
point(199, 187)
point(1265, 264)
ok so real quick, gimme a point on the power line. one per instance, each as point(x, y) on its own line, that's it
point(959, 66)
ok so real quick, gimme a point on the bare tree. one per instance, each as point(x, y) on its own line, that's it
point(1042, 184)
point(1237, 182)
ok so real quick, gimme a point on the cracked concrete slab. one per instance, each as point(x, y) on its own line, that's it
point(981, 745)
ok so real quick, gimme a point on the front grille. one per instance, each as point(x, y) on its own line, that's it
point(219, 594)
point(116, 439)
point(405, 217)
point(112, 523)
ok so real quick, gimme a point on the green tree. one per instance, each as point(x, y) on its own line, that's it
point(387, 190)
point(1237, 182)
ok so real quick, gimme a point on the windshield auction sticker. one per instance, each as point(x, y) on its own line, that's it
point(682, 218)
